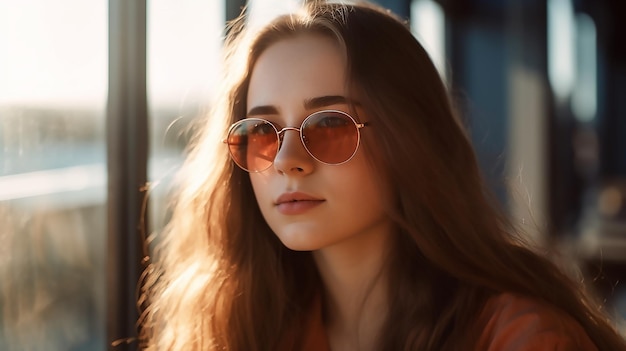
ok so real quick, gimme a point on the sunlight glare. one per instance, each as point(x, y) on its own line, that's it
point(53, 52)
point(428, 26)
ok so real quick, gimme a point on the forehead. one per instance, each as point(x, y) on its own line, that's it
point(298, 68)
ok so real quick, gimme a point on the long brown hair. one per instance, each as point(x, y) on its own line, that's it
point(221, 280)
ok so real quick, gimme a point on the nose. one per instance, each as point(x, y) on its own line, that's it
point(292, 158)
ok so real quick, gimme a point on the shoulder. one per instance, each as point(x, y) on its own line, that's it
point(515, 323)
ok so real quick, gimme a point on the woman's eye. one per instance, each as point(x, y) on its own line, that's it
point(331, 122)
point(262, 129)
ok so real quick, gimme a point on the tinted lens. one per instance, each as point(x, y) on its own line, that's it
point(331, 136)
point(253, 144)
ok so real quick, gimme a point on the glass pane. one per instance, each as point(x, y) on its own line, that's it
point(184, 44)
point(53, 64)
point(428, 25)
point(263, 11)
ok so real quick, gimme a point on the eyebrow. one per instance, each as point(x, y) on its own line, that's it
point(323, 101)
point(262, 110)
point(309, 104)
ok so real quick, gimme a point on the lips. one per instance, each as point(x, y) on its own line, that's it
point(296, 203)
point(296, 196)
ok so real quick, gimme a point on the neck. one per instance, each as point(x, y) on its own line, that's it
point(355, 281)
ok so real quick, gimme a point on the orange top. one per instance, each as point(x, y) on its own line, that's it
point(507, 322)
point(513, 323)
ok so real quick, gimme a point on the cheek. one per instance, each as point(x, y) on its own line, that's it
point(359, 184)
point(365, 194)
point(260, 186)
point(375, 182)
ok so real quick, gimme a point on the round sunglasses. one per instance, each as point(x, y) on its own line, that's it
point(330, 136)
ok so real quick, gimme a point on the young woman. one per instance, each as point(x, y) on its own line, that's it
point(333, 202)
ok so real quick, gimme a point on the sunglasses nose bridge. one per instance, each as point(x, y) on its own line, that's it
point(281, 136)
point(281, 133)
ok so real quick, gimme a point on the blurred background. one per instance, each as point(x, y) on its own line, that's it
point(95, 98)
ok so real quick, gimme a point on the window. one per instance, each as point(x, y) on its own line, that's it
point(52, 174)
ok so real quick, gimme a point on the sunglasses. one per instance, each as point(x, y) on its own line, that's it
point(331, 137)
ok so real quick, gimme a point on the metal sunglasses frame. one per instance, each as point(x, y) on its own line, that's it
point(280, 136)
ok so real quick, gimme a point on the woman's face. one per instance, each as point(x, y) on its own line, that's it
point(334, 204)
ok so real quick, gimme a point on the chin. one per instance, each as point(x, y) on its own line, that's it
point(300, 246)
point(300, 242)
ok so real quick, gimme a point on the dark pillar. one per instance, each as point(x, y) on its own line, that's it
point(477, 44)
point(234, 8)
point(127, 152)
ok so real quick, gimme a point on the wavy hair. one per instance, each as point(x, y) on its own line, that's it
point(221, 280)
